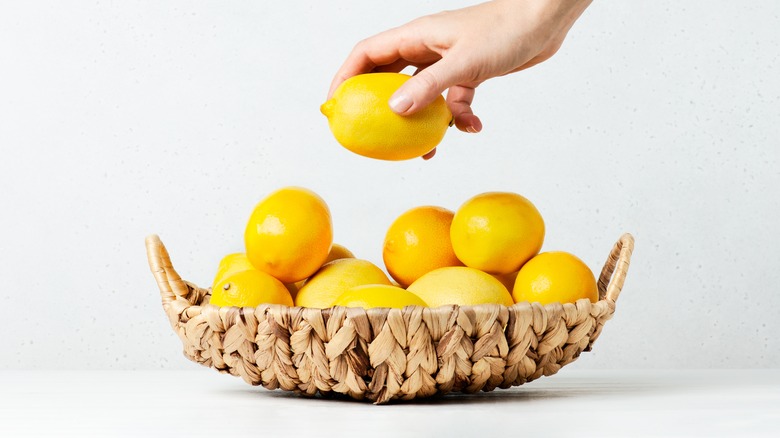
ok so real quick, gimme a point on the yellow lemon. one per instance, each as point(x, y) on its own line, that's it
point(378, 295)
point(460, 285)
point(555, 276)
point(289, 234)
point(361, 119)
point(339, 252)
point(231, 264)
point(497, 232)
point(335, 278)
point(418, 242)
point(336, 252)
point(249, 289)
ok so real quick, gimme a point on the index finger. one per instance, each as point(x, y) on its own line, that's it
point(380, 49)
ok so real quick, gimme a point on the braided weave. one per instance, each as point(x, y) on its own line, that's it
point(386, 354)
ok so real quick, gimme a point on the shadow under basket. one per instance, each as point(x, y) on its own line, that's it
point(386, 354)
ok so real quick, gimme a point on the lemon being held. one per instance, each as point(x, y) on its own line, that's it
point(360, 118)
point(289, 234)
point(555, 276)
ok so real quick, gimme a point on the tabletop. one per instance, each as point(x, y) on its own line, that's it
point(202, 402)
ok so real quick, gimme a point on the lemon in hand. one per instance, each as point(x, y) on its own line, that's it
point(335, 278)
point(289, 234)
point(378, 295)
point(497, 232)
point(249, 288)
point(460, 285)
point(360, 118)
point(555, 276)
point(418, 242)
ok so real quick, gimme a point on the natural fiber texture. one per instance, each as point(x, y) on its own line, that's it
point(386, 354)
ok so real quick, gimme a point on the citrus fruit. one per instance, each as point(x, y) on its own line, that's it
point(289, 234)
point(460, 285)
point(497, 232)
point(361, 119)
point(378, 295)
point(231, 264)
point(335, 278)
point(249, 289)
point(417, 242)
point(338, 252)
point(555, 276)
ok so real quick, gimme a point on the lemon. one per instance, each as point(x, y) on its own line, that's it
point(460, 285)
point(378, 295)
point(249, 289)
point(497, 232)
point(335, 278)
point(361, 119)
point(417, 242)
point(555, 276)
point(289, 234)
point(231, 264)
point(336, 252)
point(339, 252)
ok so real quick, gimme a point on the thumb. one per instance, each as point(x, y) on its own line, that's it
point(424, 87)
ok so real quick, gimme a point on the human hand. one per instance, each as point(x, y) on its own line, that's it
point(458, 50)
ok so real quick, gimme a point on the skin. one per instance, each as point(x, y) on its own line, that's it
point(458, 50)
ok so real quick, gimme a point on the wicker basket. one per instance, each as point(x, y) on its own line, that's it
point(386, 354)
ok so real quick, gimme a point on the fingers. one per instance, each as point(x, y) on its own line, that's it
point(379, 50)
point(393, 67)
point(427, 85)
point(459, 100)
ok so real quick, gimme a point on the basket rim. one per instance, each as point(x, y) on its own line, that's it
point(174, 288)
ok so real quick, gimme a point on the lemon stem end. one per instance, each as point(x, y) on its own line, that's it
point(327, 107)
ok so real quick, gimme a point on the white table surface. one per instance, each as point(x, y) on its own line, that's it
point(202, 402)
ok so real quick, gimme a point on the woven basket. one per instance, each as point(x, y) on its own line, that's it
point(386, 354)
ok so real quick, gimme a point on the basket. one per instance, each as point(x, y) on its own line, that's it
point(386, 354)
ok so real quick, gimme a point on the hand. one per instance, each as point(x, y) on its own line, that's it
point(458, 50)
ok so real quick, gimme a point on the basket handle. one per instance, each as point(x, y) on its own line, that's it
point(170, 283)
point(613, 275)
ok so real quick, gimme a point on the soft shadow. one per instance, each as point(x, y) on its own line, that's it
point(541, 389)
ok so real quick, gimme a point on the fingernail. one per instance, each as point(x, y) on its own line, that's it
point(400, 103)
point(471, 129)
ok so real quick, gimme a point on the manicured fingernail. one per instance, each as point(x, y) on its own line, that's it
point(400, 103)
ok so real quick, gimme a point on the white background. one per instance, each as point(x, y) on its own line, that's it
point(121, 119)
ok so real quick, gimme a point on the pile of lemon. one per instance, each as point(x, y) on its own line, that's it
point(485, 252)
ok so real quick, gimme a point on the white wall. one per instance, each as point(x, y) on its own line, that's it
point(121, 119)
